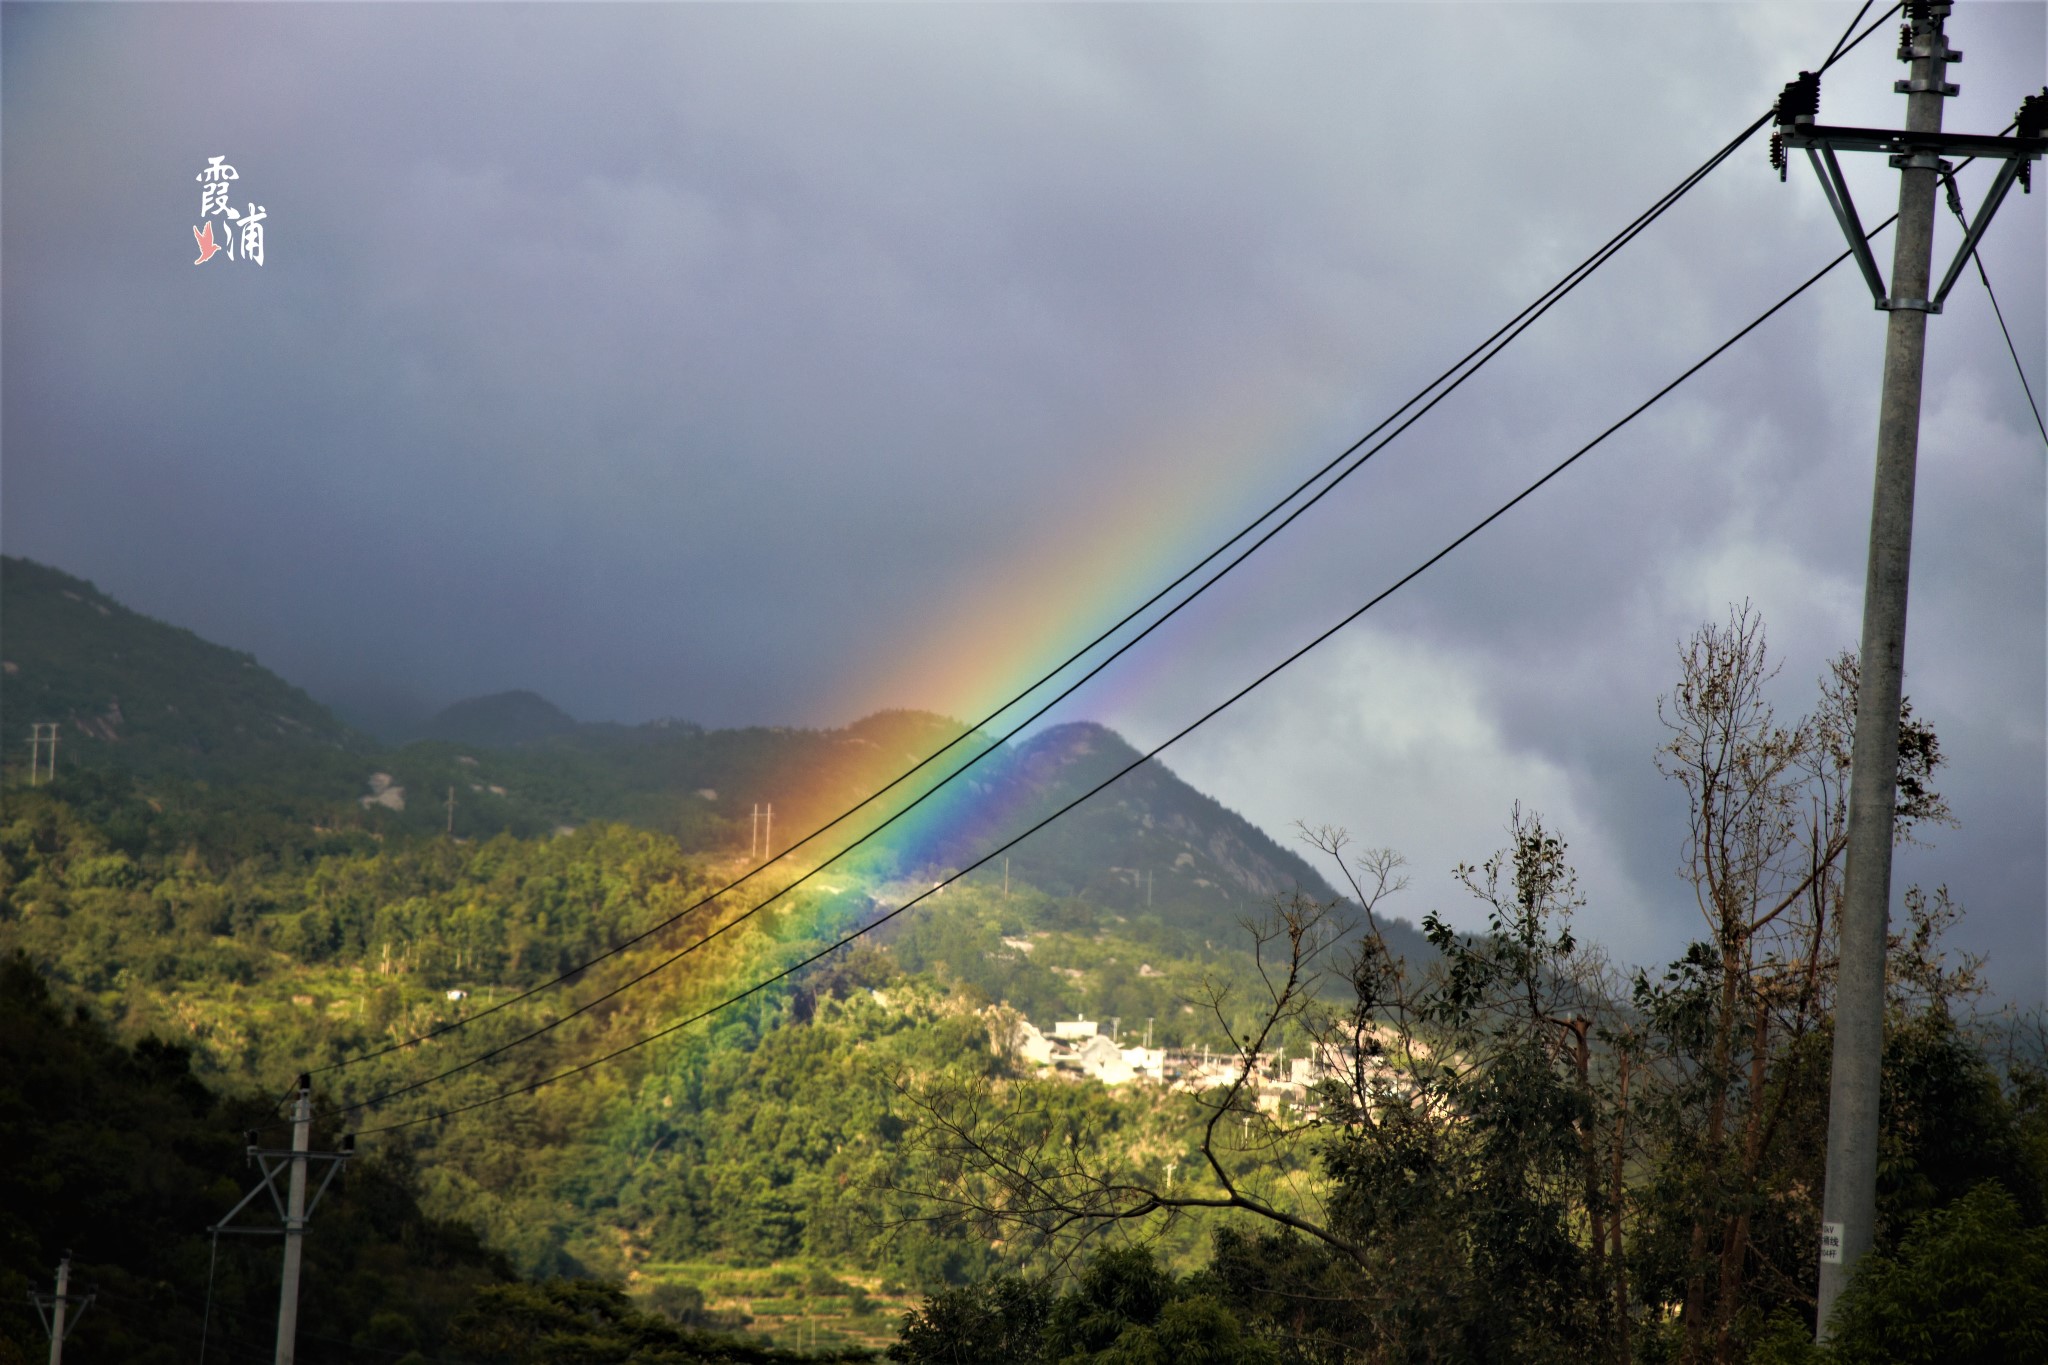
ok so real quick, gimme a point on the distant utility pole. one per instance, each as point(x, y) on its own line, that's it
point(451, 812)
point(39, 734)
point(57, 1304)
point(1006, 878)
point(1849, 1205)
point(764, 831)
point(294, 1207)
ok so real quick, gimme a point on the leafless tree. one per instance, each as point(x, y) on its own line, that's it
point(1007, 1164)
point(1767, 826)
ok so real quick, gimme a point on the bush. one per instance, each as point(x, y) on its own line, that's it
point(1968, 1286)
point(1124, 1309)
point(1002, 1318)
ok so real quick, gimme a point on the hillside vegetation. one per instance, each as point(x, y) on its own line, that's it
point(271, 900)
point(620, 1103)
point(763, 1139)
point(232, 756)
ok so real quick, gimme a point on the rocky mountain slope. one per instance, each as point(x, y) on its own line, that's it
point(125, 690)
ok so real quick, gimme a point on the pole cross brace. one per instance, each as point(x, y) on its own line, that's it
point(1912, 150)
point(276, 1161)
point(45, 1302)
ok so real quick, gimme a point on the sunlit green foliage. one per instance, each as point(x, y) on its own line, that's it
point(770, 1135)
point(122, 1157)
point(1123, 1308)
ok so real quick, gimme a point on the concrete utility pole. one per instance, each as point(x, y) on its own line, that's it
point(54, 1321)
point(295, 1208)
point(39, 734)
point(57, 1311)
point(1849, 1205)
point(295, 1221)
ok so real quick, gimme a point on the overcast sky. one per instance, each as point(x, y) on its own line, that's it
point(771, 363)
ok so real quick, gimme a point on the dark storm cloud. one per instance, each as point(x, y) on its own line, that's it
point(689, 359)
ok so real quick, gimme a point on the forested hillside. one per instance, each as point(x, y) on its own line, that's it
point(121, 1155)
point(693, 1168)
point(127, 691)
point(622, 1099)
point(185, 712)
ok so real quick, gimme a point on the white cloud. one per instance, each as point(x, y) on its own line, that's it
point(1399, 743)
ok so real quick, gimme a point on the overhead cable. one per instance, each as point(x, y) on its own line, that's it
point(1955, 206)
point(1156, 750)
point(1483, 353)
point(1491, 348)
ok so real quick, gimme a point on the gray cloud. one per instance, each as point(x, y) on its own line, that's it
point(701, 359)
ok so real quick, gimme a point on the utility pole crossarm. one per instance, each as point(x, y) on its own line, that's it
point(276, 1161)
point(53, 1309)
point(1908, 149)
point(1904, 142)
point(1920, 151)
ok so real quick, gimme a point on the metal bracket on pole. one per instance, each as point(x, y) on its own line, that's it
point(1837, 190)
point(1908, 150)
point(45, 1302)
point(276, 1161)
point(293, 1208)
point(53, 1309)
point(1993, 197)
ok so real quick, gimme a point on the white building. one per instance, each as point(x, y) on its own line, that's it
point(1029, 1045)
point(1100, 1059)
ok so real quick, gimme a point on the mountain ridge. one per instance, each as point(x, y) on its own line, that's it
point(127, 689)
point(499, 720)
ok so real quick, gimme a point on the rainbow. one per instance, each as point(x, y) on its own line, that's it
point(1163, 502)
point(1003, 629)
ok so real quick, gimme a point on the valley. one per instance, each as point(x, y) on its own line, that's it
point(292, 898)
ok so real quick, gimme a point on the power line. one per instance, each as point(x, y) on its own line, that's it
point(1515, 325)
point(1173, 739)
point(1836, 51)
point(2018, 368)
point(1497, 341)
point(1955, 206)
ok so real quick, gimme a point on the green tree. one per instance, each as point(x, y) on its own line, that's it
point(1001, 1318)
point(1122, 1308)
point(1966, 1285)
